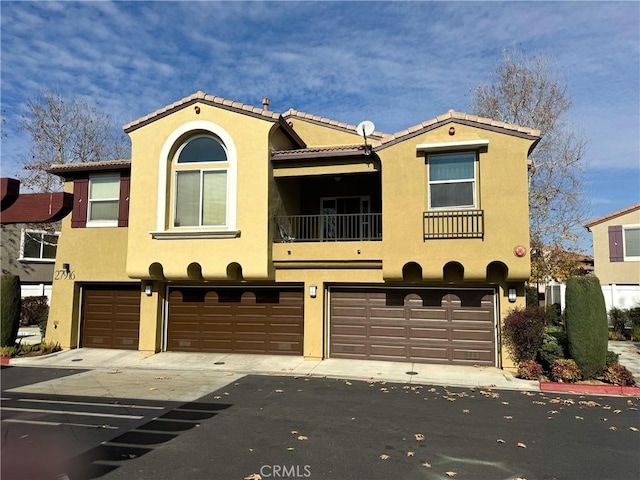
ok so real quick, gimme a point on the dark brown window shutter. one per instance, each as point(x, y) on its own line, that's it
point(80, 203)
point(616, 252)
point(123, 204)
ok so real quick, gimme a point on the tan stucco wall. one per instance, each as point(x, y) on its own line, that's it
point(251, 249)
point(613, 272)
point(93, 255)
point(322, 135)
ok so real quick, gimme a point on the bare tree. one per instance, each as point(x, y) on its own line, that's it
point(530, 92)
point(66, 130)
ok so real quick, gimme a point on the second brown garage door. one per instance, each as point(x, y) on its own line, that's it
point(111, 316)
point(261, 320)
point(416, 325)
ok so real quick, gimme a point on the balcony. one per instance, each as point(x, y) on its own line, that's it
point(453, 224)
point(356, 227)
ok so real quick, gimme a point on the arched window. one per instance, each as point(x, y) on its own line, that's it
point(200, 169)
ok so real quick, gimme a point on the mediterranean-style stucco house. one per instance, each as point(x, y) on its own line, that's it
point(616, 254)
point(30, 232)
point(237, 229)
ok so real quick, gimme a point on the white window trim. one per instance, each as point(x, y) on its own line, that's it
point(175, 203)
point(624, 243)
point(23, 234)
point(229, 231)
point(445, 147)
point(474, 181)
point(102, 223)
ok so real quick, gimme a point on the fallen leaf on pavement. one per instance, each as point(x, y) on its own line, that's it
point(500, 440)
point(384, 456)
point(553, 411)
point(578, 417)
point(451, 474)
point(294, 432)
point(253, 476)
point(528, 394)
point(410, 454)
point(164, 377)
point(465, 410)
point(217, 397)
point(613, 428)
point(633, 429)
point(508, 417)
point(153, 388)
point(419, 437)
point(303, 437)
point(521, 445)
point(426, 464)
point(617, 411)
point(279, 391)
point(290, 449)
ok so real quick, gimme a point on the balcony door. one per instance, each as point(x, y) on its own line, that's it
point(345, 218)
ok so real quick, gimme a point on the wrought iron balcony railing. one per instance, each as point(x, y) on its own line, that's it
point(329, 228)
point(453, 224)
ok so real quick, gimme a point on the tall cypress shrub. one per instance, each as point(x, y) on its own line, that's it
point(586, 323)
point(10, 303)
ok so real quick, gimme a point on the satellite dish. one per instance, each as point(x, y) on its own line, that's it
point(365, 128)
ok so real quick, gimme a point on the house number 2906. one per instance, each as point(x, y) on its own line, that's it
point(64, 275)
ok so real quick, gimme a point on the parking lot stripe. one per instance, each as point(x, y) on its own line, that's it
point(81, 414)
point(57, 424)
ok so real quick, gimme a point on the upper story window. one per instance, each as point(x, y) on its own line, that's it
point(39, 246)
point(101, 201)
point(452, 180)
point(631, 242)
point(200, 194)
point(104, 194)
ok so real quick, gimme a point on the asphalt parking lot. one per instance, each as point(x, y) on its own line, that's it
point(323, 428)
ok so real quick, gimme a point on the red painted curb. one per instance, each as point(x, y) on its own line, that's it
point(579, 388)
point(4, 360)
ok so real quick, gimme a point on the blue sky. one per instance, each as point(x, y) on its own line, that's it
point(395, 63)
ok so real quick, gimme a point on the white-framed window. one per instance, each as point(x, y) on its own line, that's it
point(452, 180)
point(200, 183)
point(38, 246)
point(104, 195)
point(631, 241)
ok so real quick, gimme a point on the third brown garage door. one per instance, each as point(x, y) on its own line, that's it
point(260, 320)
point(417, 325)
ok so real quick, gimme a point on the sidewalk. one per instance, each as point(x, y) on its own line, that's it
point(366, 370)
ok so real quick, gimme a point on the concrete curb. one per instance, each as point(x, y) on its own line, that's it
point(589, 389)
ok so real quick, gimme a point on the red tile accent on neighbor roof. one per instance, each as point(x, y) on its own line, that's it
point(38, 208)
point(613, 215)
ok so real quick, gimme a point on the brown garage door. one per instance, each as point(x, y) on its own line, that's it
point(262, 320)
point(111, 317)
point(418, 325)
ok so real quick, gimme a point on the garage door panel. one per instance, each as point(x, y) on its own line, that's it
point(425, 325)
point(232, 320)
point(376, 331)
point(111, 316)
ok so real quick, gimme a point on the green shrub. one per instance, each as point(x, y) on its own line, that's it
point(618, 375)
point(586, 323)
point(43, 328)
point(618, 318)
point(34, 310)
point(529, 370)
point(565, 370)
point(523, 331)
point(611, 358)
point(549, 353)
point(634, 316)
point(9, 309)
point(531, 296)
point(8, 352)
point(635, 334)
point(560, 335)
point(554, 314)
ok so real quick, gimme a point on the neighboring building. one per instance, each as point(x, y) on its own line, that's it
point(237, 229)
point(616, 253)
point(30, 231)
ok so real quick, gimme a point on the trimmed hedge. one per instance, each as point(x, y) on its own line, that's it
point(586, 324)
point(10, 303)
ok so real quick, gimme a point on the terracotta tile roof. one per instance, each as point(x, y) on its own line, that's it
point(62, 169)
point(205, 98)
point(613, 215)
point(319, 152)
point(462, 117)
point(328, 122)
